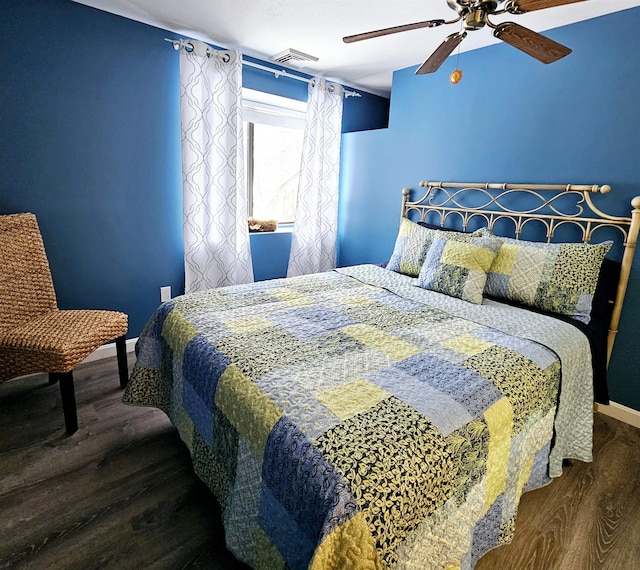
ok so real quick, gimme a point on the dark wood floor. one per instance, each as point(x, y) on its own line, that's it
point(120, 493)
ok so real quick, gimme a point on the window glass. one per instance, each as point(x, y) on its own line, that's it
point(274, 128)
point(276, 170)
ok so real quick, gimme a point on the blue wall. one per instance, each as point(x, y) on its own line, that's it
point(90, 142)
point(89, 111)
point(511, 119)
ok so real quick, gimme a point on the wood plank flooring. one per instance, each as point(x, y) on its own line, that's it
point(121, 493)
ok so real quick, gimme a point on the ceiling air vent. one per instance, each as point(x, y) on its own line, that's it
point(293, 58)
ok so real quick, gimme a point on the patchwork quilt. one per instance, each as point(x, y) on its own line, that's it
point(350, 419)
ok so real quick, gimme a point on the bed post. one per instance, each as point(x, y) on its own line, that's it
point(627, 258)
point(405, 199)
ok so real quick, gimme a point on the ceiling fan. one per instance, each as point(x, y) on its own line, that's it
point(473, 15)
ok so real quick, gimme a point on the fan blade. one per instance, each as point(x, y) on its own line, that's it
point(532, 43)
point(393, 30)
point(445, 49)
point(531, 5)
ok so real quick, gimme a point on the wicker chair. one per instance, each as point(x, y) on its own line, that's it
point(35, 336)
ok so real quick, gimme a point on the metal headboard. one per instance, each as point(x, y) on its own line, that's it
point(552, 205)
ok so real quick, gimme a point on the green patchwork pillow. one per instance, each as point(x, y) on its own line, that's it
point(411, 247)
point(457, 265)
point(556, 277)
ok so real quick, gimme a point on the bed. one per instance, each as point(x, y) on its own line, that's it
point(391, 417)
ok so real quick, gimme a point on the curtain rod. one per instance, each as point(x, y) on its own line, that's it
point(177, 44)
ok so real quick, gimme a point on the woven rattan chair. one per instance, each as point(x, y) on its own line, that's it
point(35, 336)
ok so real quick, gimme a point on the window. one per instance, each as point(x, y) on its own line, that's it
point(274, 129)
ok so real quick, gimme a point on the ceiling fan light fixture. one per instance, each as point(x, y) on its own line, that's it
point(475, 19)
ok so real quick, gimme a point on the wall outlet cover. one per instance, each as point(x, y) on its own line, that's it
point(165, 294)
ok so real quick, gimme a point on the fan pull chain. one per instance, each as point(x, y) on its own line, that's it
point(456, 74)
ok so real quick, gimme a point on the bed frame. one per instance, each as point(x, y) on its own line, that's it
point(553, 206)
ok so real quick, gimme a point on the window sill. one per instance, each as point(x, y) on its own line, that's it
point(282, 229)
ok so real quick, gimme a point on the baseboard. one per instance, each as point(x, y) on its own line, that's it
point(620, 412)
point(109, 350)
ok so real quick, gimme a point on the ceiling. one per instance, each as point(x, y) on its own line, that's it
point(263, 28)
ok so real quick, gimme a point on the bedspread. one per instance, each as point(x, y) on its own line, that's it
point(345, 420)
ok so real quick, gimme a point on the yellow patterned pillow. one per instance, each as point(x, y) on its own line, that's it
point(458, 267)
point(411, 247)
point(555, 277)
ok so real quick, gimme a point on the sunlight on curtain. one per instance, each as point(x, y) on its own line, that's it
point(216, 237)
point(313, 244)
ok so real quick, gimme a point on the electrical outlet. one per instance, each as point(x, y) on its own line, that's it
point(165, 293)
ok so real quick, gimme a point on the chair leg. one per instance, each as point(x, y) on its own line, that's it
point(123, 370)
point(53, 378)
point(68, 402)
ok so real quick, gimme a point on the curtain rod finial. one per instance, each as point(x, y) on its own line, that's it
point(174, 43)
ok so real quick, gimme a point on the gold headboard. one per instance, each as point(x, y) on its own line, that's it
point(552, 205)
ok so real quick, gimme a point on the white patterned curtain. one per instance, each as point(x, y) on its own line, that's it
point(313, 244)
point(216, 236)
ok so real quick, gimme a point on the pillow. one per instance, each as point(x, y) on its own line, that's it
point(412, 244)
point(410, 249)
point(556, 277)
point(457, 265)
